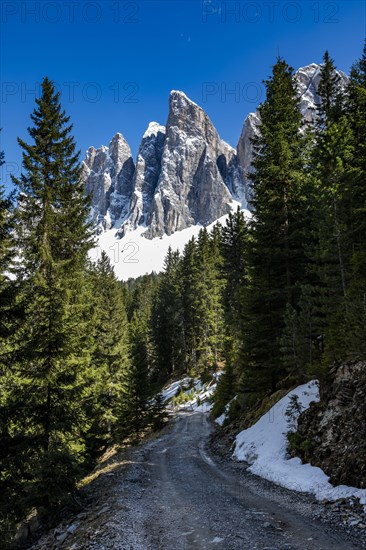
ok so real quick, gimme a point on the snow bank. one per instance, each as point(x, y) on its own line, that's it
point(264, 446)
point(169, 392)
point(221, 419)
point(201, 393)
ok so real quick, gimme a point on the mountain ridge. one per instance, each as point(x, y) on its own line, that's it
point(184, 173)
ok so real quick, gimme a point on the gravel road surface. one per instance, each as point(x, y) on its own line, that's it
point(177, 496)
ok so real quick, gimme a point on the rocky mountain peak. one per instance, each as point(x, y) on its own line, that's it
point(193, 181)
point(153, 129)
point(185, 174)
point(107, 172)
point(146, 176)
point(189, 117)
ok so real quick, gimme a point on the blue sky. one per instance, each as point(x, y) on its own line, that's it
point(115, 62)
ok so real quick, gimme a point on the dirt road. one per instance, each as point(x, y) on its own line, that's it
point(177, 497)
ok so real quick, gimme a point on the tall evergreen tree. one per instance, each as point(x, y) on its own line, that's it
point(6, 255)
point(208, 289)
point(136, 386)
point(234, 249)
point(9, 480)
point(51, 377)
point(110, 352)
point(277, 254)
point(188, 276)
point(168, 326)
point(353, 332)
point(5, 229)
point(330, 92)
point(330, 255)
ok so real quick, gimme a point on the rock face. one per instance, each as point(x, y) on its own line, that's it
point(185, 174)
point(146, 176)
point(192, 187)
point(108, 173)
point(332, 434)
point(245, 150)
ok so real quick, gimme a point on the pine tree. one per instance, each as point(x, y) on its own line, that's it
point(330, 92)
point(6, 255)
point(141, 379)
point(277, 256)
point(188, 276)
point(234, 248)
point(110, 353)
point(5, 229)
point(135, 404)
point(330, 256)
point(51, 377)
point(167, 316)
point(10, 484)
point(353, 332)
point(208, 312)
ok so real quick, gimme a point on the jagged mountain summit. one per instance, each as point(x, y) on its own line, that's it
point(108, 174)
point(185, 174)
point(196, 166)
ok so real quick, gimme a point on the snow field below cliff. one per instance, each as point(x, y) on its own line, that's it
point(134, 255)
point(265, 447)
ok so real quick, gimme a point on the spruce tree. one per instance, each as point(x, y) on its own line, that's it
point(5, 229)
point(136, 389)
point(330, 256)
point(329, 91)
point(277, 257)
point(207, 304)
point(167, 316)
point(6, 255)
point(189, 275)
point(51, 378)
point(353, 332)
point(234, 243)
point(234, 249)
point(110, 353)
point(141, 379)
point(10, 480)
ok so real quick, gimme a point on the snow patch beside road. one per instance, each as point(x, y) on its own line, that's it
point(265, 447)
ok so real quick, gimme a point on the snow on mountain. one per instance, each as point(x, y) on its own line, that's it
point(146, 177)
point(195, 169)
point(185, 177)
point(133, 255)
